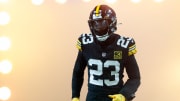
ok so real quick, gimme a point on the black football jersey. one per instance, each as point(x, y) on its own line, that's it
point(105, 62)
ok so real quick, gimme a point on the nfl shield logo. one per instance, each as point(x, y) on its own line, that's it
point(103, 54)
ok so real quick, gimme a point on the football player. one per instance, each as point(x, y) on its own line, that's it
point(106, 55)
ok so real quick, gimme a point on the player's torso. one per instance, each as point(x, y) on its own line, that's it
point(105, 65)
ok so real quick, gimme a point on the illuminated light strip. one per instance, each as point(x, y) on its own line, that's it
point(5, 66)
point(97, 10)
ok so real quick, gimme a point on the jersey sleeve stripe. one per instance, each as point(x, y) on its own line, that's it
point(132, 50)
point(78, 45)
point(132, 47)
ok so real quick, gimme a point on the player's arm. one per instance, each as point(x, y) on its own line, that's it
point(132, 69)
point(78, 74)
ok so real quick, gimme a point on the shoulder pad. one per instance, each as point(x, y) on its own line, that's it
point(128, 43)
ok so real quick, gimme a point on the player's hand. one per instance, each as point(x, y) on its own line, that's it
point(75, 99)
point(117, 97)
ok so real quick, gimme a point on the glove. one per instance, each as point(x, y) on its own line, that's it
point(117, 97)
point(75, 99)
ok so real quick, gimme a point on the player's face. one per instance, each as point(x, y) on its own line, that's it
point(100, 26)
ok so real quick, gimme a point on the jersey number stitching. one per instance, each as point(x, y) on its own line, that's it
point(122, 42)
point(99, 71)
point(88, 39)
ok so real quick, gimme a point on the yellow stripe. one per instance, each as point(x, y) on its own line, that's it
point(97, 10)
point(132, 52)
point(133, 46)
point(78, 45)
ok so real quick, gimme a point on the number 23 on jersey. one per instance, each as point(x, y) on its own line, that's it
point(99, 71)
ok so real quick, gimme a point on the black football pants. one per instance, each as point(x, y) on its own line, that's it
point(92, 96)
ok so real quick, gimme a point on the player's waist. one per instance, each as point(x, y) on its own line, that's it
point(104, 90)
